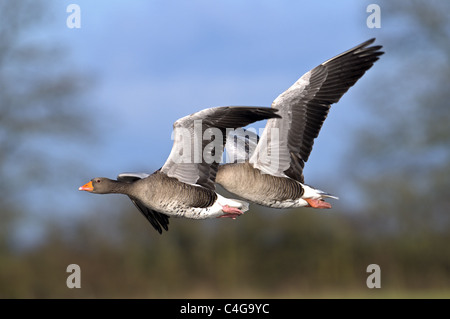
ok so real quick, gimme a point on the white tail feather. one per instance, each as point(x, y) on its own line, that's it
point(310, 192)
point(236, 203)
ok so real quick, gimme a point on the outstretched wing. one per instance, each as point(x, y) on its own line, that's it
point(199, 140)
point(286, 142)
point(156, 219)
point(240, 145)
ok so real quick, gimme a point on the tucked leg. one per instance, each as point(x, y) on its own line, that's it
point(317, 203)
point(230, 212)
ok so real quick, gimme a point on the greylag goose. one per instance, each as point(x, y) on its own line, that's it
point(273, 174)
point(184, 186)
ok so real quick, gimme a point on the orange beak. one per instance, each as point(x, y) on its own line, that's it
point(87, 187)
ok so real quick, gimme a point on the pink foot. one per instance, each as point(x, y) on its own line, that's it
point(230, 212)
point(317, 203)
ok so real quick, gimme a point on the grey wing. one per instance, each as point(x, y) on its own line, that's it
point(287, 142)
point(240, 145)
point(156, 219)
point(199, 141)
point(131, 177)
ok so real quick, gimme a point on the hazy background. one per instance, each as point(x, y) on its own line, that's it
point(101, 100)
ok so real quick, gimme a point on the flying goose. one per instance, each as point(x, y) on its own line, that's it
point(184, 186)
point(273, 174)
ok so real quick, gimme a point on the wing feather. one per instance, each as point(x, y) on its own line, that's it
point(192, 159)
point(304, 107)
point(158, 220)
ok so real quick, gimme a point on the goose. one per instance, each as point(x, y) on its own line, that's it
point(184, 185)
point(272, 175)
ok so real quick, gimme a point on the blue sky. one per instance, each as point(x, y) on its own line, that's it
point(156, 61)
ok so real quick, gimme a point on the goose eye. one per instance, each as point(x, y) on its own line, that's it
point(98, 181)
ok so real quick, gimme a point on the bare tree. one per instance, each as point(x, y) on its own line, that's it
point(40, 103)
point(404, 158)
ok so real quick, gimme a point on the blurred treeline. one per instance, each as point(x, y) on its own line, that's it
point(299, 254)
point(400, 166)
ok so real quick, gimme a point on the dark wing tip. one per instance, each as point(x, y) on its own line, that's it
point(342, 72)
point(271, 113)
point(362, 50)
point(240, 116)
point(156, 219)
point(366, 43)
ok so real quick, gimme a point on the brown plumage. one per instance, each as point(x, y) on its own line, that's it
point(249, 183)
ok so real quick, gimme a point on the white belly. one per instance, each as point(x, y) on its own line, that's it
point(213, 211)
